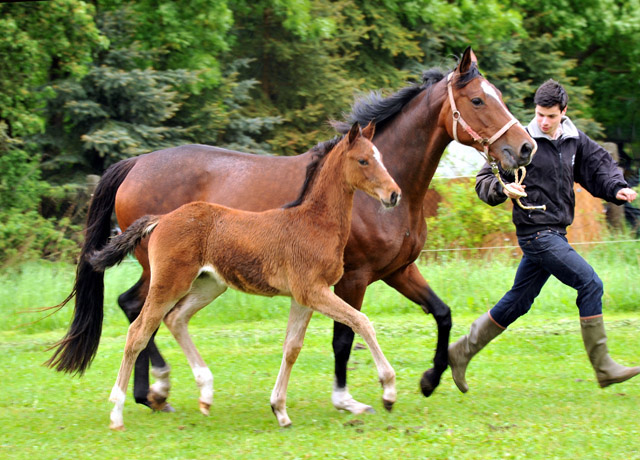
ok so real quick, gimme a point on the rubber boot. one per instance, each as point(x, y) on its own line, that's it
point(482, 331)
point(607, 370)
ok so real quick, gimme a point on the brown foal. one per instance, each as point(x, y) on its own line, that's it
point(200, 249)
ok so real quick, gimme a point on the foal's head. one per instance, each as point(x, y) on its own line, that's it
point(364, 169)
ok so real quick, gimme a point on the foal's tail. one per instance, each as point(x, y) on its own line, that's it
point(123, 244)
point(77, 348)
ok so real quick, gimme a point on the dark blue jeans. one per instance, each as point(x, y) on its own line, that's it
point(548, 253)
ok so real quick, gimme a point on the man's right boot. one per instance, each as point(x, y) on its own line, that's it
point(483, 330)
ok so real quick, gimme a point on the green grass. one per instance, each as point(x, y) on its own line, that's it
point(533, 393)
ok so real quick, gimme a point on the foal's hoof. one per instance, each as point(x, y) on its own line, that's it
point(115, 427)
point(429, 382)
point(388, 404)
point(204, 408)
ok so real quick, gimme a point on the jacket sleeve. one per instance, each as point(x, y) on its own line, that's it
point(488, 188)
point(597, 172)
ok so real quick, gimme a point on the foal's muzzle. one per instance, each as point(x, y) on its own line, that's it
point(393, 200)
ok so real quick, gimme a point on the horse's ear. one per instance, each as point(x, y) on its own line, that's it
point(468, 57)
point(370, 130)
point(353, 132)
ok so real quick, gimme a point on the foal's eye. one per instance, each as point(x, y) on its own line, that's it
point(477, 101)
point(363, 162)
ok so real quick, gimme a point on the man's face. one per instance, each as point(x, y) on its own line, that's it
point(549, 119)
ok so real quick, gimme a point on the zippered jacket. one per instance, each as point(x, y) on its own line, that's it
point(556, 165)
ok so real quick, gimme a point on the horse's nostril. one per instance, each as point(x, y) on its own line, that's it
point(394, 198)
point(526, 150)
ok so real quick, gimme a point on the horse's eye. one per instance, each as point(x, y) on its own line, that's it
point(363, 162)
point(477, 101)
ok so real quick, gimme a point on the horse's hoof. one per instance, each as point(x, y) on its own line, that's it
point(204, 408)
point(370, 410)
point(167, 408)
point(158, 403)
point(429, 382)
point(116, 427)
point(388, 405)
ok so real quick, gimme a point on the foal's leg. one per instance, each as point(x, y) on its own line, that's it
point(155, 397)
point(350, 289)
point(412, 285)
point(138, 336)
point(203, 291)
point(299, 317)
point(329, 304)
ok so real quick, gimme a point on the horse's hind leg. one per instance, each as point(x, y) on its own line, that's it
point(203, 291)
point(351, 291)
point(299, 317)
point(410, 283)
point(329, 304)
point(155, 396)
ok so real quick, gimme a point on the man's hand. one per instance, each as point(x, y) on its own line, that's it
point(626, 194)
point(514, 190)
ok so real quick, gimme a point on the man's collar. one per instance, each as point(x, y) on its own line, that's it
point(567, 127)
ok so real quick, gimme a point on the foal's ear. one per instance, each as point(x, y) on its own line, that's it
point(353, 132)
point(468, 58)
point(370, 130)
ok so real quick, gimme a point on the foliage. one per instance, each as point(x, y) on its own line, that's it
point(463, 221)
point(85, 84)
point(24, 232)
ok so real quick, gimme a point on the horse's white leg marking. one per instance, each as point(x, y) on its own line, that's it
point(342, 400)
point(203, 291)
point(329, 304)
point(159, 391)
point(299, 317)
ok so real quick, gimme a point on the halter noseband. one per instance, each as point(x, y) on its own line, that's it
point(485, 143)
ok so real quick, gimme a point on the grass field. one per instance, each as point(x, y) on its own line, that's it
point(533, 393)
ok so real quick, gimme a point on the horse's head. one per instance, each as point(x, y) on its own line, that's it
point(364, 168)
point(478, 117)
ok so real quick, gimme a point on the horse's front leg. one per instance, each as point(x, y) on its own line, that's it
point(410, 283)
point(351, 290)
point(329, 304)
point(299, 317)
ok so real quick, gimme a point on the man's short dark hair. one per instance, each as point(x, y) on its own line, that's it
point(550, 94)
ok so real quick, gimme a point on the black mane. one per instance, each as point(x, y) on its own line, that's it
point(319, 154)
point(375, 107)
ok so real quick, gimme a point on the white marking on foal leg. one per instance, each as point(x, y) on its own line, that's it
point(204, 379)
point(342, 400)
point(117, 396)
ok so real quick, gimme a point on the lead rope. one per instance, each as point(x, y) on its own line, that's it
point(485, 143)
point(496, 172)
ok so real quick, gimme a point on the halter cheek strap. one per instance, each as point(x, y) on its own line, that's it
point(485, 143)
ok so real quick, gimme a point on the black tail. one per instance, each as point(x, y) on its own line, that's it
point(77, 348)
point(123, 244)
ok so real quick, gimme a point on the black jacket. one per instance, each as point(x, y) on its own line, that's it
point(574, 157)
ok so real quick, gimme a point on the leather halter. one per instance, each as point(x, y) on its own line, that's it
point(486, 142)
point(457, 118)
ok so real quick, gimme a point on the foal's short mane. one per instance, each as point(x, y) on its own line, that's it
point(374, 107)
point(319, 154)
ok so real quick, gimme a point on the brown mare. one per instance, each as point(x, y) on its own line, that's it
point(414, 126)
point(200, 249)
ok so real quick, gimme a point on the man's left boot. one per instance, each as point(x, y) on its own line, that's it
point(595, 342)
